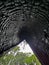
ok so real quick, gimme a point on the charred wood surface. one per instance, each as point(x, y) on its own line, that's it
point(25, 19)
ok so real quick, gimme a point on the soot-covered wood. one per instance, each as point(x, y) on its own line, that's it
point(25, 19)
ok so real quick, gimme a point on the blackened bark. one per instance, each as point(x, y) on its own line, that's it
point(25, 19)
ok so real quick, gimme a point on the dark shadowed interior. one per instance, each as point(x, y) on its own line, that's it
point(25, 19)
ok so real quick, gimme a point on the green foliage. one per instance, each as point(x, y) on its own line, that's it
point(16, 49)
point(20, 58)
point(32, 59)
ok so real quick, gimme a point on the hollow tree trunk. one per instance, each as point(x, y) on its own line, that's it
point(25, 19)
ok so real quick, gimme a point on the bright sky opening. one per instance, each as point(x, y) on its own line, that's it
point(25, 48)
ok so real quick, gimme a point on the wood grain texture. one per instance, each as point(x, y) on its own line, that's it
point(25, 19)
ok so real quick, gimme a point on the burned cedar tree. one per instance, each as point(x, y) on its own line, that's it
point(25, 19)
